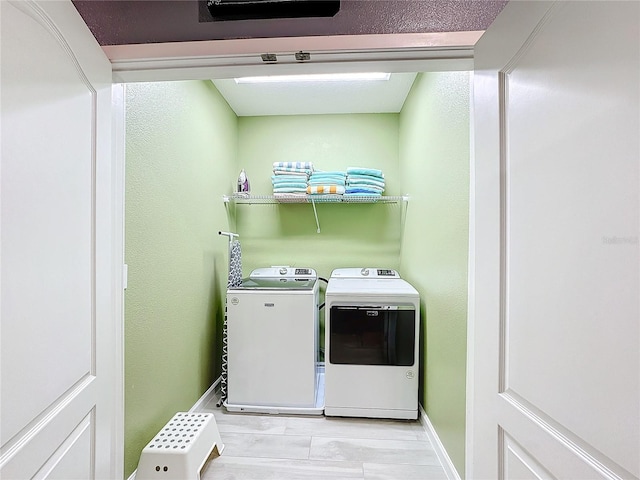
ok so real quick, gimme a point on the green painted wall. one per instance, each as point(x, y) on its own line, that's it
point(180, 154)
point(351, 235)
point(434, 168)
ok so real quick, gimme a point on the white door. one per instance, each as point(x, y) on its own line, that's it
point(554, 299)
point(57, 267)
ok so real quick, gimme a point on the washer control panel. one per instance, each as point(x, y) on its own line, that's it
point(284, 271)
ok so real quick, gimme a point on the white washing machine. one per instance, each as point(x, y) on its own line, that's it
point(372, 331)
point(272, 343)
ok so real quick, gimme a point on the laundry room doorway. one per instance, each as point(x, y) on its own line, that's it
point(389, 234)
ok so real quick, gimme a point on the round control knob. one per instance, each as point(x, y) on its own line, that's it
point(364, 272)
point(283, 271)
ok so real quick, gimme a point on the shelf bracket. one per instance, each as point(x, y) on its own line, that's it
point(315, 213)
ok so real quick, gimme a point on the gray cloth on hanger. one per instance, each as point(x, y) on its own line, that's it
point(235, 265)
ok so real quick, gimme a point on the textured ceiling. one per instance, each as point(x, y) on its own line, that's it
point(121, 22)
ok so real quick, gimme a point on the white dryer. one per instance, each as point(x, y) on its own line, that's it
point(272, 343)
point(372, 331)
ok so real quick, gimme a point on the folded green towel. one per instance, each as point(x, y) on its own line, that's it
point(365, 171)
point(290, 185)
point(327, 181)
point(334, 173)
point(288, 178)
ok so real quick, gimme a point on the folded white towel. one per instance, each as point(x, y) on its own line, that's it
point(298, 173)
point(361, 180)
point(292, 171)
point(299, 165)
point(290, 189)
point(291, 197)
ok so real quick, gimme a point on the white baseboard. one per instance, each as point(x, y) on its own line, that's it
point(206, 396)
point(202, 401)
point(443, 456)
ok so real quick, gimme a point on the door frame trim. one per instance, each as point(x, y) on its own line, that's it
point(118, 145)
point(448, 51)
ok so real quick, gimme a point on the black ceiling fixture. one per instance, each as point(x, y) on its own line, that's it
point(258, 9)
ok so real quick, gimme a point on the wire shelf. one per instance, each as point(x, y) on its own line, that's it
point(293, 198)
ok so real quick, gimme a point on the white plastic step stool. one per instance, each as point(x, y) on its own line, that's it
point(181, 448)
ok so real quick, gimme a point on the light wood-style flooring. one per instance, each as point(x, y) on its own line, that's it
point(279, 447)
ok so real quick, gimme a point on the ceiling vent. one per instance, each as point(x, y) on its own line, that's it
point(257, 9)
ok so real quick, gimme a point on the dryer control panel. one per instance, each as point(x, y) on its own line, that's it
point(366, 272)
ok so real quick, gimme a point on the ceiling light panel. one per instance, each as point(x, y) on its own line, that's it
point(325, 77)
point(317, 97)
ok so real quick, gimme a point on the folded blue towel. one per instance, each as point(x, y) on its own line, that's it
point(299, 165)
point(365, 171)
point(364, 190)
point(361, 194)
